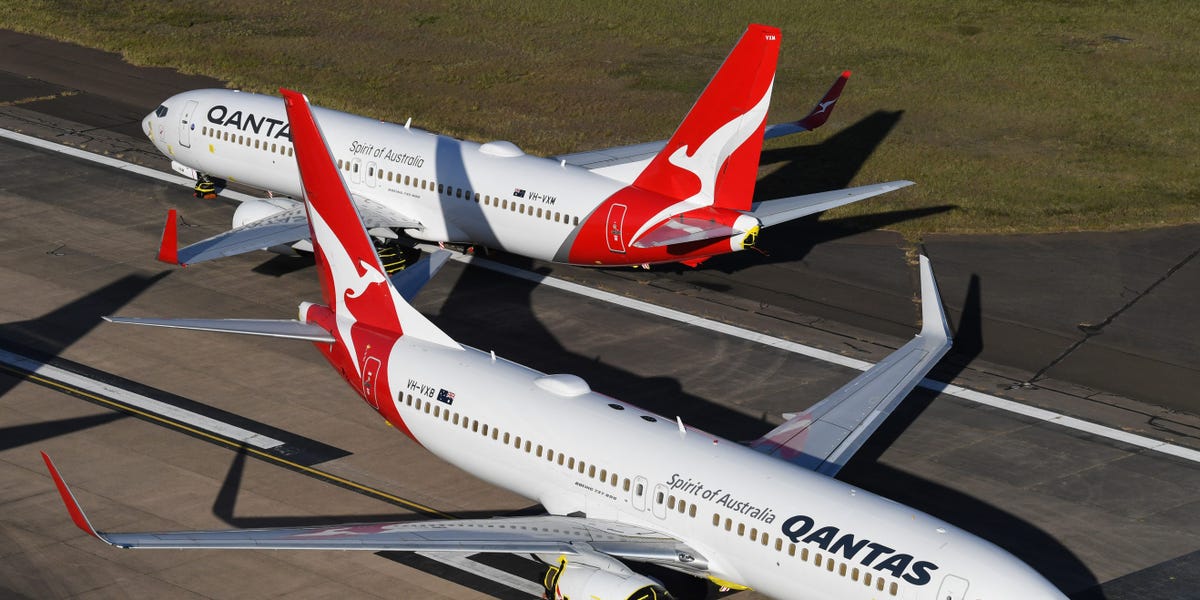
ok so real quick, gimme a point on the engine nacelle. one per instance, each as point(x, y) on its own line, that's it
point(576, 580)
point(253, 210)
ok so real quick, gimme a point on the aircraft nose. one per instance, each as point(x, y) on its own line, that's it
point(148, 126)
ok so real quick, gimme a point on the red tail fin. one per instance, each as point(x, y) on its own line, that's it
point(353, 281)
point(713, 156)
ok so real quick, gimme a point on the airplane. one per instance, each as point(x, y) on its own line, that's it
point(632, 487)
point(684, 200)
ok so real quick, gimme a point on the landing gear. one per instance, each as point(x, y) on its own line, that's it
point(395, 255)
point(205, 188)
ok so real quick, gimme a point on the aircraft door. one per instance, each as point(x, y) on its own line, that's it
point(638, 493)
point(953, 588)
point(372, 174)
point(659, 501)
point(370, 380)
point(614, 225)
point(186, 125)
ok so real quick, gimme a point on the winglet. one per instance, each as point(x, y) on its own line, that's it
point(80, 519)
point(168, 249)
point(933, 317)
point(820, 112)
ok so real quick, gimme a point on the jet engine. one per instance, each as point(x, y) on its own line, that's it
point(254, 210)
point(574, 579)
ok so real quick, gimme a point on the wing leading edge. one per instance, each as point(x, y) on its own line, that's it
point(526, 535)
point(825, 437)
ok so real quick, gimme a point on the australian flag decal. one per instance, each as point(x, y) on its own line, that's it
point(445, 396)
point(520, 193)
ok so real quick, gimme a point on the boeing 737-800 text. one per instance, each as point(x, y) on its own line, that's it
point(629, 488)
point(682, 200)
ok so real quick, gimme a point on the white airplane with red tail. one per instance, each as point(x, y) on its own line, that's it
point(685, 199)
point(623, 487)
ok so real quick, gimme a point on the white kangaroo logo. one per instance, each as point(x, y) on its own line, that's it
point(372, 275)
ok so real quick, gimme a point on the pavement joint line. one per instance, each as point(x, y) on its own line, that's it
point(55, 375)
point(505, 578)
point(263, 454)
point(682, 317)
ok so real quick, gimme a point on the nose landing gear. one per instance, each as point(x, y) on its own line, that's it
point(206, 187)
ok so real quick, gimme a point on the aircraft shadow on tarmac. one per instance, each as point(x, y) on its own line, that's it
point(51, 334)
point(1025, 540)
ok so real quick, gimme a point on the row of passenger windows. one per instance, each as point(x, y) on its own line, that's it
point(391, 176)
point(457, 192)
point(830, 563)
point(249, 142)
point(435, 409)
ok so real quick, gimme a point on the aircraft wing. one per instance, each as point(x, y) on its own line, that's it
point(774, 212)
point(525, 535)
point(824, 437)
point(282, 228)
point(625, 162)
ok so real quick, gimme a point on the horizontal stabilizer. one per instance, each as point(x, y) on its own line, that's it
point(774, 212)
point(278, 328)
point(678, 230)
point(410, 281)
point(824, 437)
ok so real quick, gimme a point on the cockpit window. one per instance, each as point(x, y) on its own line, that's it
point(161, 111)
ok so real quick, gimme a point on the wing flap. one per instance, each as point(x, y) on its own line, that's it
point(774, 212)
point(825, 437)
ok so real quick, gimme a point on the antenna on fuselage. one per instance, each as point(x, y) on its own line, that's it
point(408, 123)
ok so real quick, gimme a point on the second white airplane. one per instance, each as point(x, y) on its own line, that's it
point(684, 200)
point(622, 486)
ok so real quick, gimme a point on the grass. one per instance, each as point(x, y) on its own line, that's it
point(1026, 116)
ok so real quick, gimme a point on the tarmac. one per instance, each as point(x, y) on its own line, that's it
point(1095, 326)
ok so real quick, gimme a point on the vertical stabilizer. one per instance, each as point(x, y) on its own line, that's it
point(712, 159)
point(353, 282)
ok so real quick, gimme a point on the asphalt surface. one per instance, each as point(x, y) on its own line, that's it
point(1092, 325)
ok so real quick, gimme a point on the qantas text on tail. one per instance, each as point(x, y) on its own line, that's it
point(680, 200)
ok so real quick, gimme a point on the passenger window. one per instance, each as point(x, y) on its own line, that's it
point(603, 474)
point(671, 501)
point(682, 507)
point(506, 437)
point(612, 479)
point(829, 567)
point(437, 411)
point(854, 574)
point(539, 213)
point(291, 151)
point(407, 180)
point(485, 429)
point(576, 220)
point(475, 426)
point(256, 144)
point(893, 588)
point(456, 419)
point(803, 554)
point(879, 583)
point(842, 569)
point(409, 400)
point(556, 216)
point(692, 510)
point(728, 524)
point(592, 471)
point(716, 520)
point(560, 459)
point(418, 404)
point(581, 467)
point(754, 534)
point(389, 175)
point(495, 433)
point(476, 197)
point(446, 415)
point(517, 442)
point(741, 530)
point(791, 549)
point(571, 463)
point(427, 406)
point(521, 209)
point(779, 544)
point(458, 193)
point(625, 484)
point(867, 578)
point(504, 204)
point(487, 200)
point(441, 188)
point(528, 446)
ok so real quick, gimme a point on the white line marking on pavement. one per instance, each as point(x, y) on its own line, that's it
point(682, 317)
point(462, 563)
point(143, 402)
